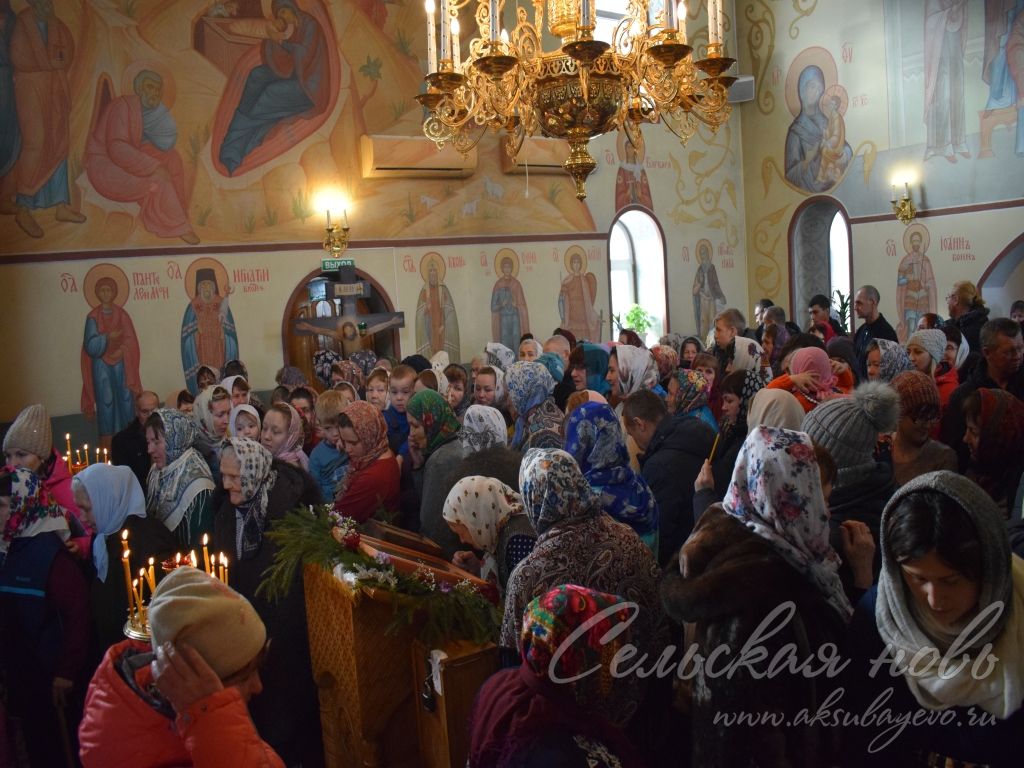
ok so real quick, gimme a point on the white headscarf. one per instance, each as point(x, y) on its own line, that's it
point(482, 427)
point(246, 408)
point(115, 495)
point(483, 505)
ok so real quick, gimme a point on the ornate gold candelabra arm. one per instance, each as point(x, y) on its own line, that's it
point(904, 210)
point(336, 241)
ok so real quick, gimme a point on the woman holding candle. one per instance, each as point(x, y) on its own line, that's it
point(112, 501)
point(44, 616)
point(180, 486)
point(261, 490)
point(29, 444)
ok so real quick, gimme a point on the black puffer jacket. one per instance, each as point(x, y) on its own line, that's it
point(970, 324)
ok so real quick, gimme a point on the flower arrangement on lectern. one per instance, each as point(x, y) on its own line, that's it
point(582, 89)
point(443, 602)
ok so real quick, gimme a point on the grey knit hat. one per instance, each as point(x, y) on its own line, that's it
point(931, 340)
point(31, 432)
point(848, 427)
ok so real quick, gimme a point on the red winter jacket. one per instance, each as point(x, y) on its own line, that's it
point(58, 483)
point(120, 728)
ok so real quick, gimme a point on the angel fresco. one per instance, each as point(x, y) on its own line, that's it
point(280, 90)
point(110, 352)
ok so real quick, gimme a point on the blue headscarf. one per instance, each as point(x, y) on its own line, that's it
point(593, 436)
point(595, 358)
point(116, 495)
point(554, 364)
point(529, 384)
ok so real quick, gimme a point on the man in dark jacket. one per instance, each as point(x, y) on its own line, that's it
point(967, 312)
point(672, 453)
point(128, 448)
point(875, 326)
point(1002, 349)
point(820, 310)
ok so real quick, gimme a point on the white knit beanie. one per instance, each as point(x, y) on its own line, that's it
point(31, 432)
point(192, 607)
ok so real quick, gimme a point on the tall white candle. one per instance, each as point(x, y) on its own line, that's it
point(713, 22)
point(455, 42)
point(431, 37)
point(492, 19)
point(445, 53)
point(681, 20)
point(670, 14)
point(720, 18)
point(584, 13)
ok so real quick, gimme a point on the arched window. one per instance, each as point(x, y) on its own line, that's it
point(636, 253)
point(839, 257)
point(820, 226)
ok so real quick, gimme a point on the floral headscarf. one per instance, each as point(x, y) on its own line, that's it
point(256, 479)
point(437, 417)
point(351, 373)
point(291, 452)
point(554, 490)
point(171, 490)
point(894, 359)
point(814, 360)
point(753, 382)
point(593, 437)
point(637, 369)
point(246, 408)
point(776, 492)
point(116, 495)
point(499, 356)
point(365, 359)
point(371, 429)
point(666, 358)
point(33, 510)
point(482, 427)
point(693, 391)
point(529, 384)
point(674, 340)
point(746, 354)
point(558, 616)
point(554, 364)
point(483, 505)
point(292, 377)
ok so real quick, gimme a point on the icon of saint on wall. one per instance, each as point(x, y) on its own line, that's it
point(708, 297)
point(577, 297)
point(916, 293)
point(110, 352)
point(437, 326)
point(208, 334)
point(510, 318)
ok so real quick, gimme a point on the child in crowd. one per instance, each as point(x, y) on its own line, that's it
point(400, 389)
point(245, 422)
point(328, 463)
point(377, 384)
point(458, 384)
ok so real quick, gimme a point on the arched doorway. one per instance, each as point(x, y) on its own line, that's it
point(820, 255)
point(1003, 281)
point(636, 270)
point(314, 298)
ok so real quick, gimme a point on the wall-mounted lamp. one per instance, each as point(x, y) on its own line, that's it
point(903, 207)
point(336, 241)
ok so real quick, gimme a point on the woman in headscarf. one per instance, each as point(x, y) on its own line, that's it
point(631, 338)
point(112, 499)
point(245, 422)
point(674, 340)
point(594, 438)
point(530, 349)
point(44, 617)
point(372, 481)
point(554, 364)
point(366, 360)
point(260, 491)
point(488, 516)
point(348, 372)
point(588, 366)
point(765, 545)
point(282, 435)
point(500, 356)
point(435, 450)
point(946, 562)
point(885, 359)
point(841, 352)
point(629, 370)
point(688, 392)
point(691, 347)
point(774, 408)
point(538, 417)
point(561, 708)
point(212, 414)
point(179, 488)
point(995, 438)
point(811, 380)
point(483, 427)
point(578, 544)
point(667, 360)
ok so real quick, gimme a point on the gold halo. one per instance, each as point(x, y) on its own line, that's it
point(133, 69)
point(813, 56)
point(926, 238)
point(575, 250)
point(100, 271)
point(223, 286)
point(711, 250)
point(836, 90)
point(425, 262)
point(506, 253)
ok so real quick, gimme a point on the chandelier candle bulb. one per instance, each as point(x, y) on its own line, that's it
point(456, 30)
point(681, 20)
point(670, 14)
point(344, 218)
point(431, 37)
point(585, 13)
point(492, 20)
point(892, 199)
point(906, 189)
point(328, 218)
point(445, 54)
point(713, 22)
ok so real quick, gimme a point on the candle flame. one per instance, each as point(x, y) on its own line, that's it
point(67, 435)
point(124, 555)
point(206, 539)
point(124, 535)
point(152, 561)
point(429, 5)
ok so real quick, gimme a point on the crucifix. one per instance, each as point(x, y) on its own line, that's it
point(350, 327)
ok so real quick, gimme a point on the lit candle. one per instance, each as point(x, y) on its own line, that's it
point(128, 582)
point(78, 456)
point(344, 215)
point(206, 553)
point(225, 560)
point(106, 458)
point(97, 455)
point(220, 567)
point(138, 600)
point(681, 20)
point(456, 29)
point(328, 218)
point(177, 559)
point(124, 540)
point(492, 19)
point(85, 450)
point(431, 38)
point(68, 459)
point(713, 22)
point(445, 55)
point(192, 559)
point(67, 438)
point(584, 13)
point(151, 575)
point(893, 198)
point(906, 190)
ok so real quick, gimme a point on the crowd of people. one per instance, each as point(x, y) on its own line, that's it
point(643, 514)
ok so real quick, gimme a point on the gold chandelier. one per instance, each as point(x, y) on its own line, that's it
point(581, 90)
